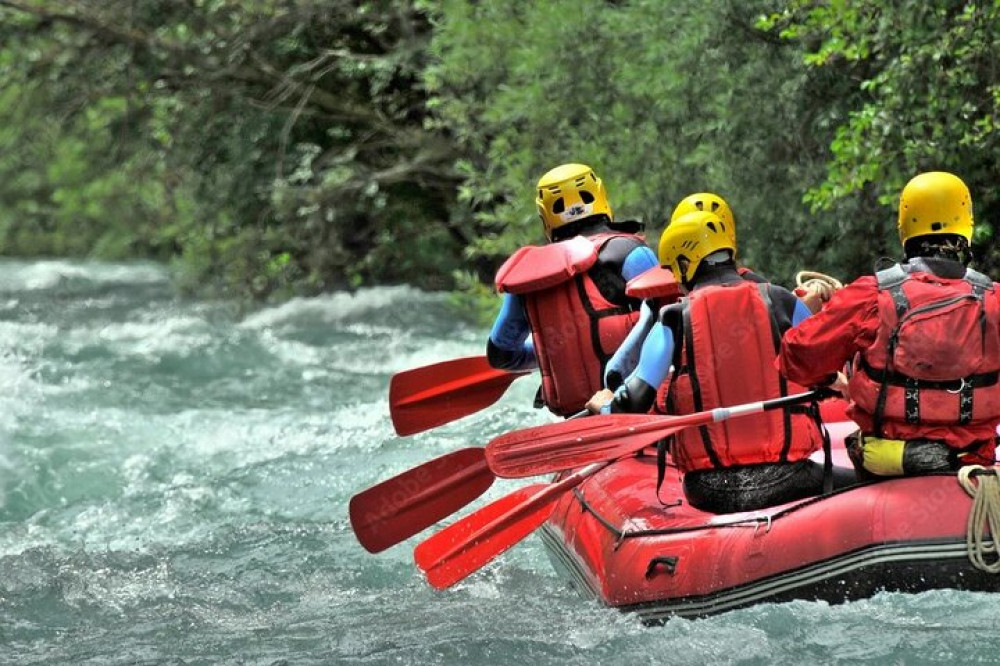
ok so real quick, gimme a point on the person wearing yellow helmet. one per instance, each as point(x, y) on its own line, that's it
point(658, 288)
point(924, 338)
point(707, 202)
point(722, 341)
point(814, 293)
point(569, 295)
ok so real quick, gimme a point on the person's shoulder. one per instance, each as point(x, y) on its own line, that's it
point(623, 242)
point(782, 298)
point(778, 290)
point(618, 248)
point(750, 275)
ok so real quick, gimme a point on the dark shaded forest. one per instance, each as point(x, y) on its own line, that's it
point(267, 148)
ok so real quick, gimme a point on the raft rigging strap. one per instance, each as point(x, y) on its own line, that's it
point(983, 485)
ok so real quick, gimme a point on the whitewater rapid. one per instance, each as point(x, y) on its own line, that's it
point(174, 479)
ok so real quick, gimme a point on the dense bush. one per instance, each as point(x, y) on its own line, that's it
point(279, 146)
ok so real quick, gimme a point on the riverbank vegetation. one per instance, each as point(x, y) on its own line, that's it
point(275, 147)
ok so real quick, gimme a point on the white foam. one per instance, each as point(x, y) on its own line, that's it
point(19, 389)
point(336, 307)
point(153, 335)
point(40, 275)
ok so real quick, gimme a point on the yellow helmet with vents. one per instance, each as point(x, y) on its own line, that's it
point(709, 203)
point(569, 193)
point(935, 202)
point(690, 238)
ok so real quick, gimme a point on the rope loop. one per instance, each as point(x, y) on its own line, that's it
point(804, 277)
point(983, 486)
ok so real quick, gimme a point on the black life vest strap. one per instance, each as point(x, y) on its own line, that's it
point(980, 285)
point(764, 289)
point(692, 365)
point(953, 385)
point(890, 279)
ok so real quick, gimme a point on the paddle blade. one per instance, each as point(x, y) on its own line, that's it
point(424, 398)
point(398, 508)
point(469, 544)
point(558, 446)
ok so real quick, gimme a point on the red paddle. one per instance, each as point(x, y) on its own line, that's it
point(398, 508)
point(424, 398)
point(469, 544)
point(557, 446)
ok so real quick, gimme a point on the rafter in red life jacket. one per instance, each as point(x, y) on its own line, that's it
point(574, 327)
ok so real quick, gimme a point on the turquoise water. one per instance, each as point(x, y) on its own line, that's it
point(174, 477)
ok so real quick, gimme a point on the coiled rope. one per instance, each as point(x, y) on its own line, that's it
point(808, 279)
point(983, 486)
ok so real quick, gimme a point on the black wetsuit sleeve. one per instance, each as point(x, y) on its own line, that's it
point(607, 273)
point(503, 359)
point(634, 397)
point(784, 303)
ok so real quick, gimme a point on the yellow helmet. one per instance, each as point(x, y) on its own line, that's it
point(569, 193)
point(935, 202)
point(689, 239)
point(711, 203)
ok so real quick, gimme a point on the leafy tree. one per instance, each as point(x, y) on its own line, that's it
point(927, 96)
point(290, 132)
point(296, 145)
point(663, 100)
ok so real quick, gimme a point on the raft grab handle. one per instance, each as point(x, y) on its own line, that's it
point(669, 563)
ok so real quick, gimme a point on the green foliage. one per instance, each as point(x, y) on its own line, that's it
point(663, 99)
point(272, 147)
point(267, 146)
point(927, 96)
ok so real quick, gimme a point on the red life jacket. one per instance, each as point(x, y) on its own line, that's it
point(575, 329)
point(933, 368)
point(660, 404)
point(730, 342)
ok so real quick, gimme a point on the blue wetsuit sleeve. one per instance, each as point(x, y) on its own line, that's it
point(626, 357)
point(638, 261)
point(509, 347)
point(657, 352)
point(800, 314)
point(638, 392)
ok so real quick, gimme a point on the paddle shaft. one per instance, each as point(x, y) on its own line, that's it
point(701, 418)
point(463, 556)
point(559, 446)
point(536, 501)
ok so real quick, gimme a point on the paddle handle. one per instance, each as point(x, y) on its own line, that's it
point(723, 413)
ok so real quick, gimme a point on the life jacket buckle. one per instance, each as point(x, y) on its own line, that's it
point(961, 387)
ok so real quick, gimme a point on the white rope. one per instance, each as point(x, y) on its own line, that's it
point(803, 277)
point(984, 517)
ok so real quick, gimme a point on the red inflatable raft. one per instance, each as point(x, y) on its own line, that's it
point(660, 557)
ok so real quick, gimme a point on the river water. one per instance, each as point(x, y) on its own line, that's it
point(174, 479)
